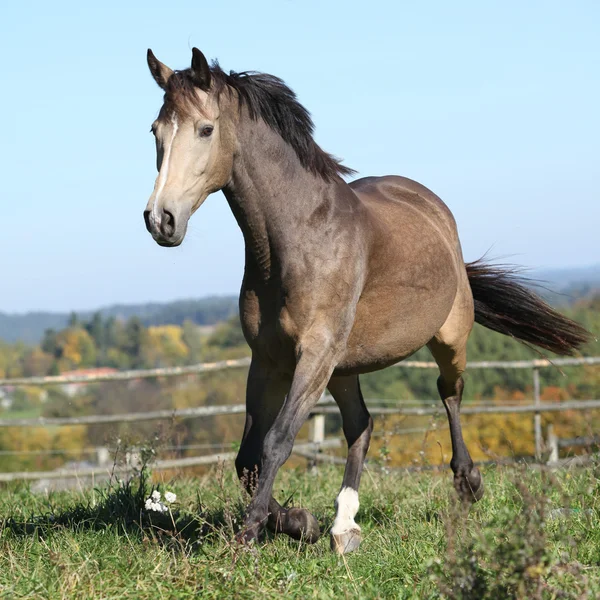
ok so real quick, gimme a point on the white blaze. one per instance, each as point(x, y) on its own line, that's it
point(164, 168)
point(346, 505)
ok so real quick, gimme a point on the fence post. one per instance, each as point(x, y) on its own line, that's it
point(317, 431)
point(537, 417)
point(102, 456)
point(552, 445)
point(316, 437)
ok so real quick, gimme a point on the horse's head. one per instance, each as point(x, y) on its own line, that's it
point(194, 147)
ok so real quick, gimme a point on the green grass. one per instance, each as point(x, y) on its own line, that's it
point(518, 542)
point(22, 413)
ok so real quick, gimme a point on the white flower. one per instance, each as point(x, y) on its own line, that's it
point(155, 506)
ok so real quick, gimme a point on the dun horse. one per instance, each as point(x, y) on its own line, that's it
point(340, 278)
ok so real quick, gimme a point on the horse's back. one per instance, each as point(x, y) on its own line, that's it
point(407, 196)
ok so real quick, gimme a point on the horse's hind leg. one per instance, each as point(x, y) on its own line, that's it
point(358, 425)
point(265, 395)
point(449, 351)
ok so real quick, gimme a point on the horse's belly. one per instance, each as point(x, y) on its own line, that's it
point(393, 323)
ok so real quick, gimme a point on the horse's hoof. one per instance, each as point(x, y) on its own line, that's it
point(300, 524)
point(342, 543)
point(469, 485)
point(248, 534)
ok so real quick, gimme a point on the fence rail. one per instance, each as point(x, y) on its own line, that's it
point(320, 409)
point(245, 362)
point(157, 465)
point(221, 365)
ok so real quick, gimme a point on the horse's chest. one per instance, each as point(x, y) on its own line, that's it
point(267, 329)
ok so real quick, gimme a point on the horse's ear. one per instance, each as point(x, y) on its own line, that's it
point(200, 70)
point(160, 71)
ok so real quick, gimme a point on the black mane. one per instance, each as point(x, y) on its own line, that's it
point(268, 98)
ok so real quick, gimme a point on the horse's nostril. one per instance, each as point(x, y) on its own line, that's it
point(147, 220)
point(167, 223)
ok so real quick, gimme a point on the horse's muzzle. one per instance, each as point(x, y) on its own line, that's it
point(164, 227)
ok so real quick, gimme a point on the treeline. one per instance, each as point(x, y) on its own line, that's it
point(111, 342)
point(30, 327)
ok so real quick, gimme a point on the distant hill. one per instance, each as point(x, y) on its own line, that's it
point(29, 327)
point(570, 284)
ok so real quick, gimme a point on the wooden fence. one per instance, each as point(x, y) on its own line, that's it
point(317, 441)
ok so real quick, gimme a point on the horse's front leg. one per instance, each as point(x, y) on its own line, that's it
point(265, 394)
point(315, 364)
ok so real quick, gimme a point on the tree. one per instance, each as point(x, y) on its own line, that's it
point(192, 338)
point(228, 334)
point(75, 348)
point(49, 343)
point(164, 346)
point(36, 362)
point(133, 340)
point(97, 330)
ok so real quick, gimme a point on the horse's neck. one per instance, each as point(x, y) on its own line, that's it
point(272, 196)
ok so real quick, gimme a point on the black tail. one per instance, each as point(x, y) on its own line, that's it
point(505, 304)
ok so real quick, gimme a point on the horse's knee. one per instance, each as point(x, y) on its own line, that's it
point(277, 440)
point(361, 425)
point(450, 390)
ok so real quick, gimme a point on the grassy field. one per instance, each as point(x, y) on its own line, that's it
point(534, 535)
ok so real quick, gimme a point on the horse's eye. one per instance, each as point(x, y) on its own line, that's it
point(206, 131)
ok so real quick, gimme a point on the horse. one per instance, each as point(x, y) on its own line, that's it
point(340, 278)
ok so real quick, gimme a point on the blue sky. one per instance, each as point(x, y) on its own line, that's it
point(492, 105)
